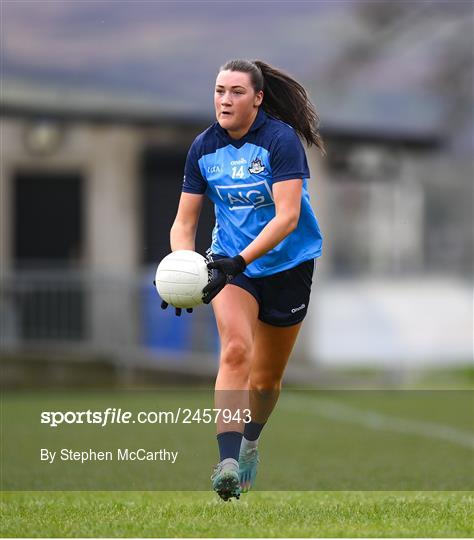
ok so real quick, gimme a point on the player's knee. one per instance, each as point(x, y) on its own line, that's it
point(265, 385)
point(235, 354)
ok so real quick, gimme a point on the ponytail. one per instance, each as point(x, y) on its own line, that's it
point(283, 98)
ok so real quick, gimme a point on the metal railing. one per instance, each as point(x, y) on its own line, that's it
point(97, 314)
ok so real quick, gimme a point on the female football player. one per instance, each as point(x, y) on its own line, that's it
point(252, 166)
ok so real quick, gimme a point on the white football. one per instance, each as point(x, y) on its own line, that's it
point(181, 277)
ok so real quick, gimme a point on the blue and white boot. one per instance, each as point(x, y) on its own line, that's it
point(248, 463)
point(225, 479)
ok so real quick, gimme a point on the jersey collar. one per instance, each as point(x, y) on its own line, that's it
point(259, 120)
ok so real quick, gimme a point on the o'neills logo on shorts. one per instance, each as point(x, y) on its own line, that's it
point(295, 309)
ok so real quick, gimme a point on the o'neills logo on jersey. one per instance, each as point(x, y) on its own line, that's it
point(241, 161)
point(256, 166)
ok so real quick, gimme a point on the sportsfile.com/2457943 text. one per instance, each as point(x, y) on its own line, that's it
point(113, 415)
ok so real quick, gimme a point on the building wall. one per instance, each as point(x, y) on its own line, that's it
point(106, 157)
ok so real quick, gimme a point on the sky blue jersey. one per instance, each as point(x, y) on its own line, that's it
point(238, 176)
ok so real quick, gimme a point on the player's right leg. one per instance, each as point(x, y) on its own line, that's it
point(236, 312)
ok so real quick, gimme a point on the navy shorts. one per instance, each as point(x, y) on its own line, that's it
point(283, 298)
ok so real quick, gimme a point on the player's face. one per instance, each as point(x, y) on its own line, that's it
point(236, 102)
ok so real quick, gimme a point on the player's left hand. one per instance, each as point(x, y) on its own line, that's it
point(177, 310)
point(227, 269)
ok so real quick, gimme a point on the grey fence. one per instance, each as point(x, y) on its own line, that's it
point(91, 314)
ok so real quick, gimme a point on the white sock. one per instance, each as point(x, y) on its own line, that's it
point(247, 445)
point(229, 462)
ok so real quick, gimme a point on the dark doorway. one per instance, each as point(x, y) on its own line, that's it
point(162, 173)
point(49, 295)
point(47, 219)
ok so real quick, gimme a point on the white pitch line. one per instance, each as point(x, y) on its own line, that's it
point(377, 421)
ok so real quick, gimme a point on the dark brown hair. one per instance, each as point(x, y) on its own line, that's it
point(283, 98)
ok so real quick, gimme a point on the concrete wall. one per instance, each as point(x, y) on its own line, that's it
point(107, 158)
point(397, 324)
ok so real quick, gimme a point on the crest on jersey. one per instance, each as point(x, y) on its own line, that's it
point(256, 166)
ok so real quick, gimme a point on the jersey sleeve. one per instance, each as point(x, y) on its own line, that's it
point(288, 158)
point(193, 181)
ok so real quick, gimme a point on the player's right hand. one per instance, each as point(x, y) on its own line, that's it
point(177, 310)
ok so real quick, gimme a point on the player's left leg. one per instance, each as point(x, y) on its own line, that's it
point(271, 351)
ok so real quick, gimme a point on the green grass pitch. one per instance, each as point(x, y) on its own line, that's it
point(364, 441)
point(259, 514)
